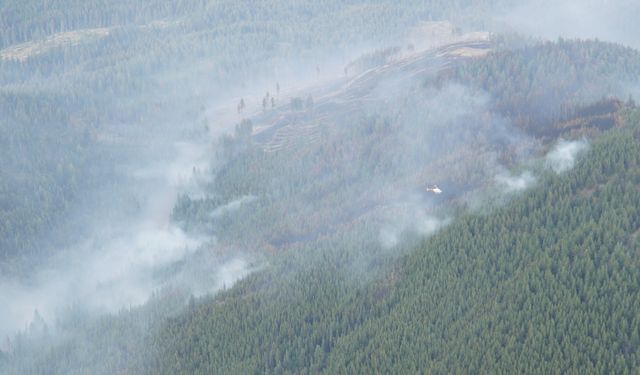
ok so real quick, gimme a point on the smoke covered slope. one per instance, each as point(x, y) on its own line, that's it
point(106, 108)
point(120, 202)
point(417, 313)
point(363, 153)
point(335, 221)
point(549, 282)
point(539, 85)
point(91, 75)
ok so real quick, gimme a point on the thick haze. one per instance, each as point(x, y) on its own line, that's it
point(125, 243)
point(129, 247)
point(122, 244)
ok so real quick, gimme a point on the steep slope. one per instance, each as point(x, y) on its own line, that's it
point(151, 65)
point(368, 148)
point(346, 283)
point(547, 284)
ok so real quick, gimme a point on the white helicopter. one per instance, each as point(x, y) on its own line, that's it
point(433, 189)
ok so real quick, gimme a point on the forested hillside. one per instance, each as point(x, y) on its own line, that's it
point(541, 84)
point(548, 283)
point(35, 18)
point(304, 187)
point(539, 282)
point(153, 66)
point(42, 171)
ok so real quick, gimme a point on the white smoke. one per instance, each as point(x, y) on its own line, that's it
point(230, 272)
point(563, 156)
point(121, 260)
point(514, 183)
point(412, 218)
